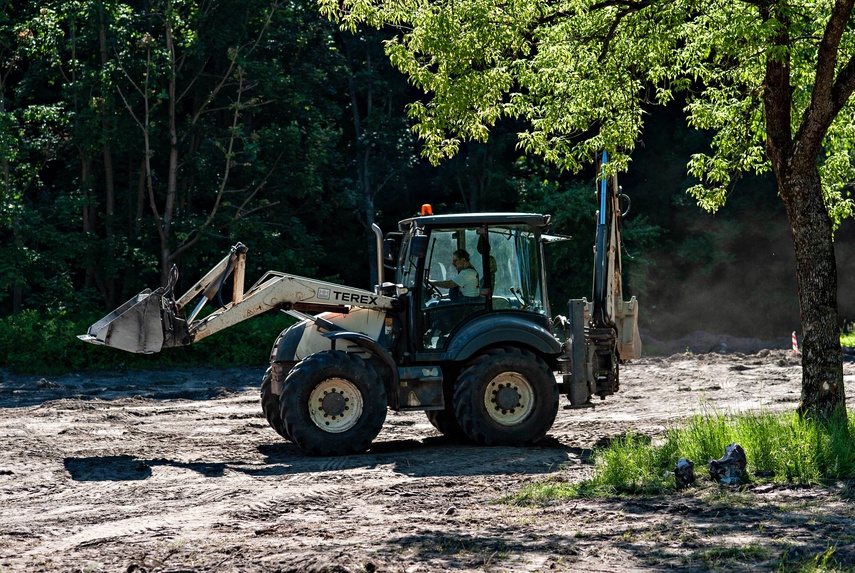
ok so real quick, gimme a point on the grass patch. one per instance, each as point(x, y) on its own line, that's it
point(821, 563)
point(792, 449)
point(717, 557)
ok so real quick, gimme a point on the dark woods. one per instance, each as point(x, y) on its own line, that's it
point(135, 136)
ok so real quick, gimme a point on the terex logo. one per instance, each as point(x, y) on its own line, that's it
point(353, 297)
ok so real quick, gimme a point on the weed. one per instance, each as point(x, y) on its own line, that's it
point(821, 563)
point(718, 556)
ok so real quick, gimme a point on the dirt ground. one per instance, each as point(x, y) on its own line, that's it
point(177, 471)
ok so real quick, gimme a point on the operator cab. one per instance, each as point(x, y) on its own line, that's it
point(459, 267)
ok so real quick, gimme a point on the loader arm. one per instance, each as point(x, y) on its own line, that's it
point(153, 320)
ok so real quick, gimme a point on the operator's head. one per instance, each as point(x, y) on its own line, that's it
point(460, 259)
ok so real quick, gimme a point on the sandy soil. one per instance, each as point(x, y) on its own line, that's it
point(177, 471)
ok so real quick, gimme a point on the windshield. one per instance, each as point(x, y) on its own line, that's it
point(515, 268)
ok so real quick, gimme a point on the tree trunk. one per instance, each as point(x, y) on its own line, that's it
point(172, 173)
point(109, 182)
point(823, 394)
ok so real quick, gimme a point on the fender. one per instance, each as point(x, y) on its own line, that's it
point(369, 344)
point(289, 339)
point(503, 328)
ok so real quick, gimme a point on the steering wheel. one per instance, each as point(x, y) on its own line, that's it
point(434, 291)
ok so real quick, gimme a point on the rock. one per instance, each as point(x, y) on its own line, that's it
point(730, 468)
point(684, 473)
point(45, 383)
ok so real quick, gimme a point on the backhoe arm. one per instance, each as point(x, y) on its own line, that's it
point(153, 320)
point(603, 332)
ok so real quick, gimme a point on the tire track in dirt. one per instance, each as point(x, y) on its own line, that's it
point(182, 473)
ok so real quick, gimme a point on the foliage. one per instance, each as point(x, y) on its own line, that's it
point(38, 343)
point(794, 449)
point(580, 72)
point(294, 143)
point(772, 81)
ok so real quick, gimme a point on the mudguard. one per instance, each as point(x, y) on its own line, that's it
point(307, 337)
point(507, 328)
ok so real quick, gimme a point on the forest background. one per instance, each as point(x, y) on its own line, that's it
point(135, 136)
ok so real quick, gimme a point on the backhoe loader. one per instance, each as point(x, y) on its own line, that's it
point(489, 367)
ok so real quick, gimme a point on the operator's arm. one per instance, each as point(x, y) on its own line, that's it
point(444, 284)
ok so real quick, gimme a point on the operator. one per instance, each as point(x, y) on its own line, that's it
point(466, 282)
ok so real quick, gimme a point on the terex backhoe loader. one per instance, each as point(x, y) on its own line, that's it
point(480, 366)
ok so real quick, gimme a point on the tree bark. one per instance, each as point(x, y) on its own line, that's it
point(823, 395)
point(109, 182)
point(794, 161)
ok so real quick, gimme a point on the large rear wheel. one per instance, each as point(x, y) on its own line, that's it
point(445, 421)
point(506, 396)
point(333, 403)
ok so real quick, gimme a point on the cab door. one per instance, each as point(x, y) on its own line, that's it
point(441, 310)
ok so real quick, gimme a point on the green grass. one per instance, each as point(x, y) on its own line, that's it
point(796, 450)
point(821, 563)
point(847, 336)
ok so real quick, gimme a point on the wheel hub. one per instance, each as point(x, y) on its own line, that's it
point(509, 398)
point(506, 397)
point(335, 405)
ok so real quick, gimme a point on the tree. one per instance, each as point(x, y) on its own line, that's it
point(382, 147)
point(772, 79)
point(178, 86)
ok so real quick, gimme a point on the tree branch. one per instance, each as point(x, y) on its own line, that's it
point(829, 95)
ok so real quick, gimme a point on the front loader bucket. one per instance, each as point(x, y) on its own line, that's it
point(136, 326)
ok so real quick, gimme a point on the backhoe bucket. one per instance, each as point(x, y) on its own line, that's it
point(136, 326)
point(629, 340)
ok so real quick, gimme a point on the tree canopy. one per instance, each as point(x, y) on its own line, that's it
point(771, 79)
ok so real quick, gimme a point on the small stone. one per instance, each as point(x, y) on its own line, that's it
point(450, 510)
point(684, 473)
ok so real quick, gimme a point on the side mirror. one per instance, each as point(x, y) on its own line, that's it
point(390, 246)
point(418, 246)
point(389, 249)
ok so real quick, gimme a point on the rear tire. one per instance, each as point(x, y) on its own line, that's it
point(270, 405)
point(506, 396)
point(445, 421)
point(333, 403)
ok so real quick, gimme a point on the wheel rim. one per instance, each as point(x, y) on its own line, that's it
point(335, 405)
point(509, 398)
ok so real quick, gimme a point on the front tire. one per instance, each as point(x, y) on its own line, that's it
point(333, 403)
point(270, 405)
point(506, 396)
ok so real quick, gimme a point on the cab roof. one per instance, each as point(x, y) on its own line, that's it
point(476, 219)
